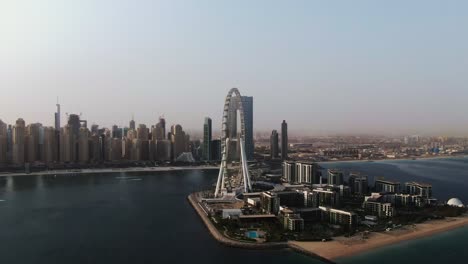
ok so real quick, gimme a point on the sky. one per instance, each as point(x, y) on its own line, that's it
point(384, 67)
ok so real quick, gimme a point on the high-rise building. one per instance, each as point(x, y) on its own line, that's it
point(94, 129)
point(67, 144)
point(132, 124)
point(143, 143)
point(32, 134)
point(3, 142)
point(178, 141)
point(57, 117)
point(163, 150)
point(335, 177)
point(284, 140)
point(358, 184)
point(50, 145)
point(207, 130)
point(247, 102)
point(160, 129)
point(274, 144)
point(18, 141)
point(83, 145)
point(216, 149)
point(247, 105)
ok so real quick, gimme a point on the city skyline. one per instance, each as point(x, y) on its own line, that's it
point(339, 68)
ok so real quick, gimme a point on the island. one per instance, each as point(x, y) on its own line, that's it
point(324, 217)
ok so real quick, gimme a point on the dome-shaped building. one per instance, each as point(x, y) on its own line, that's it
point(455, 202)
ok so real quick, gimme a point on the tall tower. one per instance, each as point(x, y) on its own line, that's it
point(207, 130)
point(57, 117)
point(18, 141)
point(274, 145)
point(247, 105)
point(284, 140)
point(3, 142)
point(132, 123)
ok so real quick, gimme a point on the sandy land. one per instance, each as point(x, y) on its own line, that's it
point(344, 247)
point(112, 170)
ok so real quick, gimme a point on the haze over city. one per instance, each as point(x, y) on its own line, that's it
point(348, 67)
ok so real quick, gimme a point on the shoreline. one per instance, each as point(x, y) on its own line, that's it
point(342, 247)
point(222, 239)
point(398, 159)
point(110, 170)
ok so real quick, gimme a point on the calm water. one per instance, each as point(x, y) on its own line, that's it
point(146, 219)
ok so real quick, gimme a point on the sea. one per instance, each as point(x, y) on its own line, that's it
point(144, 217)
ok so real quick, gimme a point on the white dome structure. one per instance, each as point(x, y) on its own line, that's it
point(455, 202)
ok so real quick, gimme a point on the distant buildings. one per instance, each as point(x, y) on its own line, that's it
point(178, 139)
point(384, 186)
point(284, 140)
point(274, 144)
point(301, 172)
point(335, 177)
point(358, 184)
point(207, 130)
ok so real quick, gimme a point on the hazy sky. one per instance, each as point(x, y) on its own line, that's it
point(324, 66)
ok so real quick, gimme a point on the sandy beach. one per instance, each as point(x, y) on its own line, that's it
point(344, 247)
point(112, 170)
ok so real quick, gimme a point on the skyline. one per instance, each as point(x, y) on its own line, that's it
point(348, 68)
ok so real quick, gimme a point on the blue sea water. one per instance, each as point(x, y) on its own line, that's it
point(107, 218)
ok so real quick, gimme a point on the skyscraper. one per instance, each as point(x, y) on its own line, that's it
point(3, 142)
point(18, 142)
point(207, 130)
point(57, 117)
point(177, 140)
point(83, 145)
point(50, 145)
point(247, 102)
point(247, 105)
point(159, 131)
point(132, 124)
point(67, 144)
point(284, 140)
point(274, 144)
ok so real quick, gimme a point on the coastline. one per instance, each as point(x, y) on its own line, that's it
point(399, 159)
point(245, 245)
point(342, 247)
point(110, 170)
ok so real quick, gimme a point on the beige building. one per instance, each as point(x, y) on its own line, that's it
point(178, 141)
point(32, 142)
point(18, 141)
point(83, 145)
point(67, 146)
point(50, 145)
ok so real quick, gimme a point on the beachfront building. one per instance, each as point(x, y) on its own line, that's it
point(323, 197)
point(420, 189)
point(335, 177)
point(358, 184)
point(301, 172)
point(270, 203)
point(293, 222)
point(384, 186)
point(376, 204)
point(339, 217)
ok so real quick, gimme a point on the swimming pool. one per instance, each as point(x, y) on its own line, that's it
point(252, 234)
